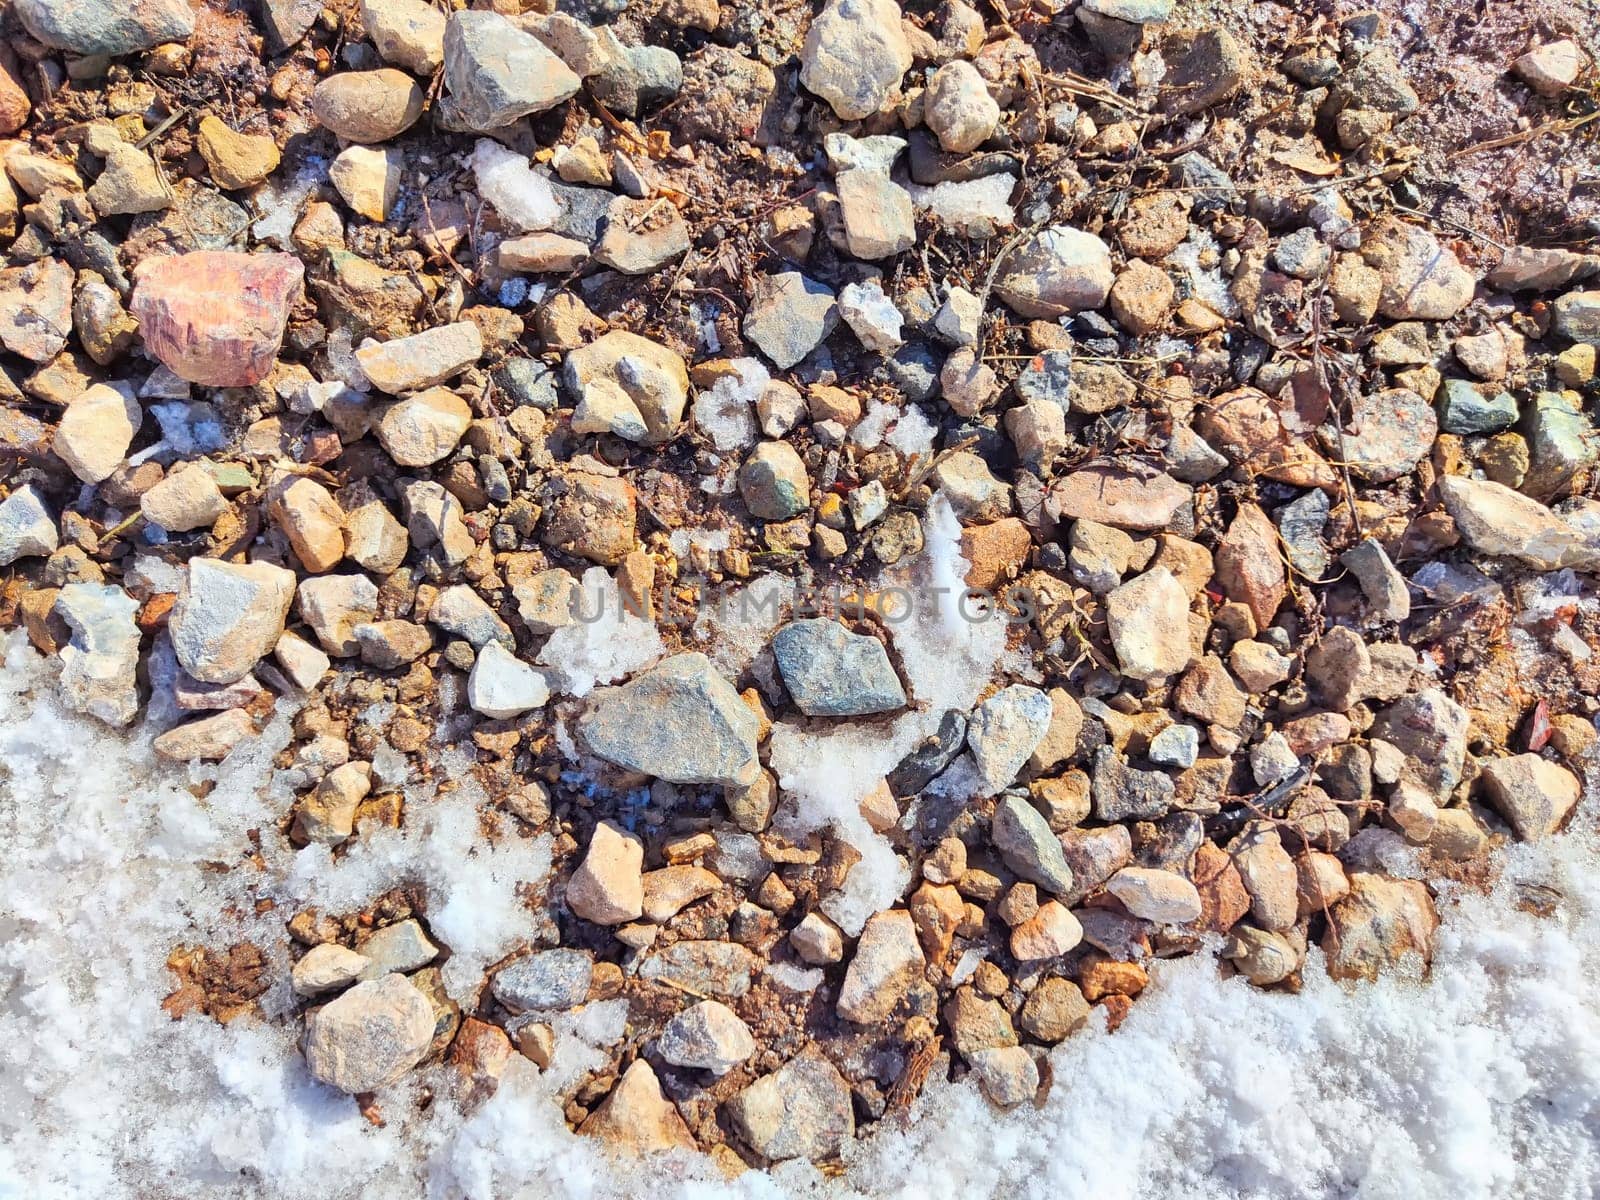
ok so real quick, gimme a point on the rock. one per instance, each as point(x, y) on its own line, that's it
point(592, 516)
point(96, 430)
point(1049, 933)
point(831, 672)
point(871, 315)
point(773, 482)
point(410, 364)
point(1204, 67)
point(228, 616)
point(36, 309)
point(129, 184)
point(409, 33)
point(188, 498)
point(389, 645)
point(1029, 848)
point(1388, 434)
point(1269, 876)
point(368, 106)
point(461, 611)
point(548, 979)
point(1142, 298)
point(1533, 795)
point(790, 315)
point(27, 530)
point(854, 56)
point(680, 721)
point(326, 968)
point(327, 814)
point(1464, 409)
point(368, 179)
point(1379, 923)
point(641, 236)
point(335, 606)
point(1552, 68)
point(495, 73)
point(968, 383)
point(1128, 499)
point(310, 519)
point(1003, 732)
point(422, 429)
point(1261, 957)
point(502, 686)
point(540, 252)
point(1497, 521)
point(100, 661)
point(1388, 598)
point(1249, 565)
point(1422, 280)
point(887, 962)
point(101, 27)
point(209, 738)
point(1164, 897)
point(370, 1036)
point(977, 1024)
point(608, 887)
point(235, 160)
point(402, 947)
point(1038, 429)
point(1007, 1075)
point(637, 1117)
point(722, 969)
point(958, 108)
point(1121, 793)
point(708, 1036)
point(651, 377)
point(1577, 316)
point(1054, 1010)
point(801, 1110)
point(669, 890)
point(1148, 618)
point(1430, 731)
point(1175, 746)
point(14, 103)
point(959, 318)
point(1538, 268)
point(1057, 272)
point(216, 318)
point(303, 663)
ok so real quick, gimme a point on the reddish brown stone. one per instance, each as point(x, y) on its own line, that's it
point(216, 317)
point(1249, 565)
point(1223, 900)
point(996, 552)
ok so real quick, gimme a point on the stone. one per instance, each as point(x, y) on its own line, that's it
point(977, 1024)
point(100, 660)
point(789, 315)
point(608, 886)
point(101, 27)
point(958, 108)
point(228, 616)
point(370, 1036)
point(1049, 933)
point(235, 160)
point(1269, 876)
point(544, 980)
point(189, 498)
point(1249, 565)
point(1537, 268)
point(831, 672)
point(1007, 1074)
point(1204, 67)
point(641, 236)
point(105, 328)
point(1121, 792)
point(368, 106)
point(1378, 924)
point(335, 606)
point(36, 309)
point(1164, 897)
point(540, 252)
point(374, 539)
point(129, 184)
point(327, 814)
point(871, 315)
point(1175, 746)
point(216, 317)
point(303, 663)
point(1465, 409)
point(1388, 598)
point(326, 968)
point(592, 516)
point(1142, 298)
point(495, 73)
point(1148, 619)
point(1551, 68)
point(1495, 520)
point(368, 179)
point(1126, 498)
point(288, 21)
point(959, 318)
point(462, 611)
point(801, 1110)
point(1388, 434)
point(27, 530)
point(651, 377)
point(1421, 279)
point(887, 962)
point(969, 384)
point(1533, 795)
point(636, 1117)
point(410, 364)
point(1038, 429)
point(1053, 1011)
point(669, 890)
point(854, 56)
point(389, 645)
point(402, 947)
point(1028, 845)
point(422, 429)
point(409, 33)
point(1261, 957)
point(502, 686)
point(310, 519)
point(1003, 732)
point(1058, 272)
point(680, 721)
point(708, 1036)
point(773, 482)
point(96, 430)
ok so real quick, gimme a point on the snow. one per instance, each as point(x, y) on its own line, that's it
point(523, 197)
point(1481, 1082)
point(606, 643)
point(726, 411)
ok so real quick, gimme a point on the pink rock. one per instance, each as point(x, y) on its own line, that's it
point(216, 317)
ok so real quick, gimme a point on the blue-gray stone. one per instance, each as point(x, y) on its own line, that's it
point(1047, 376)
point(551, 979)
point(1464, 409)
point(832, 672)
